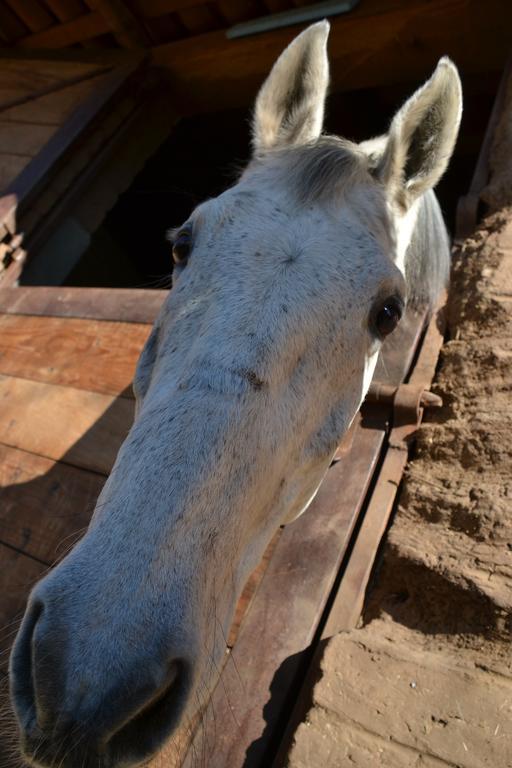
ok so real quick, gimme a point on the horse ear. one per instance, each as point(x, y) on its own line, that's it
point(422, 136)
point(289, 108)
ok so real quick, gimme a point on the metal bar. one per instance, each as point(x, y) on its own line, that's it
point(308, 13)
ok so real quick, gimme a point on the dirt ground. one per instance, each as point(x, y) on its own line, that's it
point(426, 680)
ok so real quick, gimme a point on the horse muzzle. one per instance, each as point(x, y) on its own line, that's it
point(115, 715)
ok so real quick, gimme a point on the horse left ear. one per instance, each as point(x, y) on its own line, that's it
point(422, 136)
point(289, 108)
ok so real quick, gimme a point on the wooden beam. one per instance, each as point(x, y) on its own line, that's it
point(103, 20)
point(32, 14)
point(152, 9)
point(381, 42)
point(129, 305)
point(65, 10)
point(11, 28)
point(127, 29)
point(76, 31)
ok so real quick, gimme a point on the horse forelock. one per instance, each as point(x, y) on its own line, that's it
point(318, 171)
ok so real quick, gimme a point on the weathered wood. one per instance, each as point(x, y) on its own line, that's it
point(70, 179)
point(31, 76)
point(18, 574)
point(65, 10)
point(381, 42)
point(10, 167)
point(81, 428)
point(11, 28)
point(22, 81)
point(44, 505)
point(123, 23)
point(273, 643)
point(200, 19)
point(33, 14)
point(235, 12)
point(152, 9)
point(129, 305)
point(51, 108)
point(23, 139)
point(84, 354)
point(82, 28)
point(104, 86)
point(468, 204)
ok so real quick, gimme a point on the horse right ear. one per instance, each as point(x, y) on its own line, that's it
point(289, 108)
point(422, 137)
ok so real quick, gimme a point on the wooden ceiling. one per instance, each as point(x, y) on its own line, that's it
point(126, 23)
point(380, 42)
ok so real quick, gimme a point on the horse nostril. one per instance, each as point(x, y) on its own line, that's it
point(21, 666)
point(149, 726)
point(123, 721)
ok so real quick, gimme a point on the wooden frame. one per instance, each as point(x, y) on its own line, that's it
point(129, 305)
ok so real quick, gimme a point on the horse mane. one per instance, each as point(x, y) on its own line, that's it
point(320, 170)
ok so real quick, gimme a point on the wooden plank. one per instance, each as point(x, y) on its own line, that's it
point(11, 28)
point(10, 168)
point(44, 505)
point(65, 10)
point(51, 108)
point(129, 305)
point(200, 19)
point(18, 575)
point(84, 354)
point(24, 81)
point(31, 76)
point(469, 204)
point(103, 87)
point(81, 428)
point(84, 27)
point(379, 43)
point(152, 9)
point(32, 13)
point(75, 172)
point(126, 28)
point(23, 139)
point(235, 12)
point(274, 638)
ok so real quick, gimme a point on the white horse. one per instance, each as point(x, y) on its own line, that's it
point(284, 288)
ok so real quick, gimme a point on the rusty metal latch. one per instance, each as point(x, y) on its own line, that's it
point(409, 402)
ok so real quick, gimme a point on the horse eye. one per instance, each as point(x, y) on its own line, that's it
point(388, 316)
point(181, 247)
